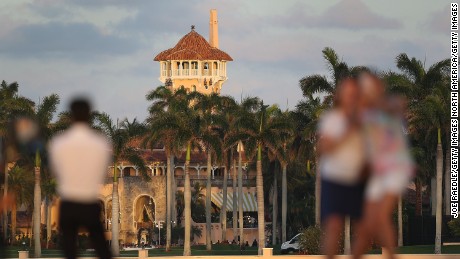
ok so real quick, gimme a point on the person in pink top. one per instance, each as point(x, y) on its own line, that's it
point(389, 160)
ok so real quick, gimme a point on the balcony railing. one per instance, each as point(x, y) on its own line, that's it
point(216, 181)
point(185, 72)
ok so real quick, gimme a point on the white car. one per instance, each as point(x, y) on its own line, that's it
point(291, 245)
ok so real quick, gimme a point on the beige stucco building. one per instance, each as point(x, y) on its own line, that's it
point(196, 65)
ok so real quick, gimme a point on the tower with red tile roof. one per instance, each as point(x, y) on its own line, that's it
point(195, 63)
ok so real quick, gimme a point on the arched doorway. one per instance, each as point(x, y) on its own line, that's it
point(144, 219)
point(103, 218)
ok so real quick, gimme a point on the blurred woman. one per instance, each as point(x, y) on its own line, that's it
point(341, 149)
point(389, 159)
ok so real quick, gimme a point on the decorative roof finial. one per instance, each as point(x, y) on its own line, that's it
point(193, 27)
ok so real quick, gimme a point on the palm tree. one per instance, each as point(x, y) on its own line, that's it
point(306, 115)
point(227, 110)
point(191, 137)
point(283, 202)
point(264, 130)
point(240, 151)
point(49, 192)
point(206, 106)
point(120, 135)
point(428, 94)
point(21, 182)
point(164, 99)
point(43, 116)
point(283, 157)
point(275, 207)
point(235, 202)
point(11, 106)
point(225, 116)
point(320, 85)
point(187, 201)
point(186, 124)
point(236, 134)
point(37, 205)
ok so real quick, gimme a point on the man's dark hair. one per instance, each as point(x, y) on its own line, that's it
point(80, 110)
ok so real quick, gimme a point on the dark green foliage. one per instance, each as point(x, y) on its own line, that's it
point(310, 240)
point(454, 227)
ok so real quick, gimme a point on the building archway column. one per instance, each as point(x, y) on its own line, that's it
point(121, 168)
point(162, 167)
point(213, 169)
point(152, 169)
point(198, 169)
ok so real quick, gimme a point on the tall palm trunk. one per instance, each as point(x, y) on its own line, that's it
point(400, 222)
point(240, 196)
point(14, 213)
point(5, 210)
point(433, 185)
point(115, 214)
point(347, 241)
point(439, 161)
point(447, 180)
point(37, 206)
point(418, 197)
point(223, 210)
point(49, 204)
point(173, 192)
point(317, 193)
point(275, 209)
point(235, 204)
point(187, 201)
point(208, 202)
point(31, 230)
point(168, 202)
point(260, 201)
point(283, 203)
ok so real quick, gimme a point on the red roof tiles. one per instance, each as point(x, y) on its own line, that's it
point(192, 47)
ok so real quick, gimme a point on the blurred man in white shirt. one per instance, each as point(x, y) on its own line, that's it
point(79, 158)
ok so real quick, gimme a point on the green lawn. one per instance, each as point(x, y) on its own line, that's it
point(175, 251)
point(230, 250)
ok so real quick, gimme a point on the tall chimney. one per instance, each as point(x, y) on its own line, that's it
point(213, 29)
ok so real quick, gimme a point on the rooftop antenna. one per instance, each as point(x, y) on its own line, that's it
point(424, 61)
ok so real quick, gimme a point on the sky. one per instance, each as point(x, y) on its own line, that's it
point(104, 49)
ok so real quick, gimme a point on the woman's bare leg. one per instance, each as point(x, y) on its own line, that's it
point(333, 227)
point(365, 230)
point(387, 230)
